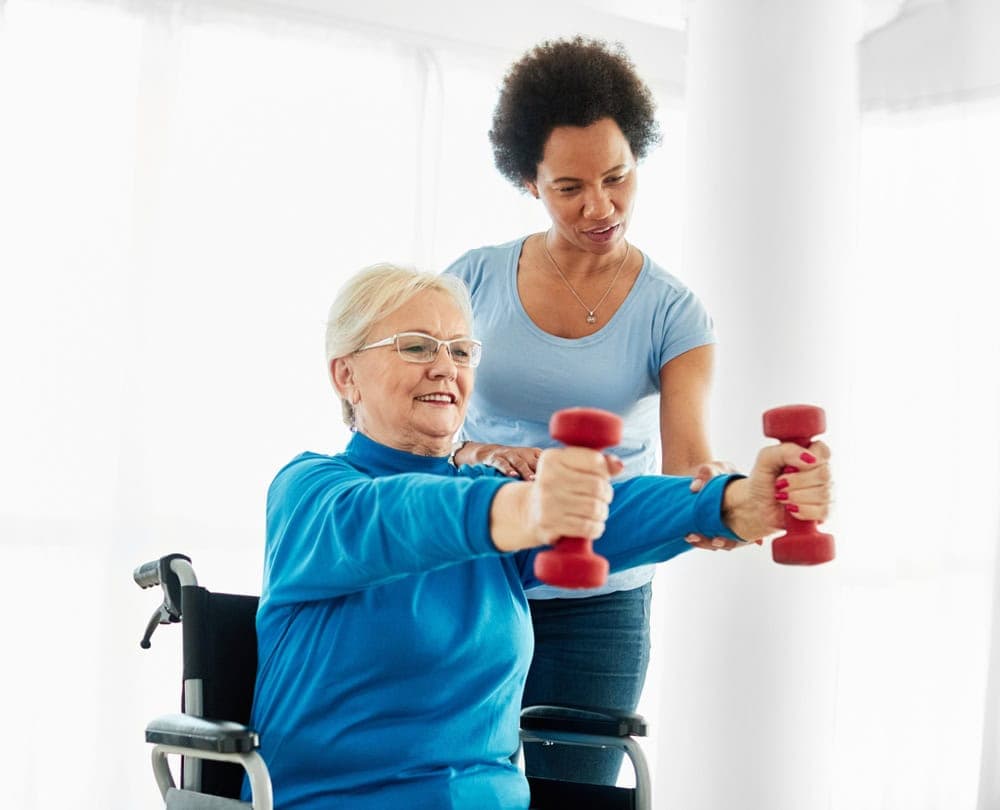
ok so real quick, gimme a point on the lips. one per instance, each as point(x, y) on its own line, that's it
point(442, 397)
point(604, 234)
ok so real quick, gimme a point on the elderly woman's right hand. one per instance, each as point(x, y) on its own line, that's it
point(568, 498)
point(785, 479)
point(517, 462)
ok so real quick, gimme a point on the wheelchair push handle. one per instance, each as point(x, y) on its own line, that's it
point(171, 572)
point(147, 575)
point(165, 571)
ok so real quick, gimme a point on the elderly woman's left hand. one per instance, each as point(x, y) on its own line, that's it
point(786, 480)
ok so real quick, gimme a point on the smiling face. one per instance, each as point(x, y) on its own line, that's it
point(587, 182)
point(416, 407)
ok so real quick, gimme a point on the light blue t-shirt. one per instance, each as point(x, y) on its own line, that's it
point(527, 374)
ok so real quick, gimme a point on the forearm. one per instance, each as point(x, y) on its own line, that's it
point(687, 467)
point(651, 515)
point(685, 459)
point(685, 448)
point(509, 518)
point(685, 383)
point(739, 514)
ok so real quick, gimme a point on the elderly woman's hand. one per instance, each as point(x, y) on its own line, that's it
point(568, 498)
point(517, 462)
point(786, 480)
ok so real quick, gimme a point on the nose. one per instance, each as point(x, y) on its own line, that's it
point(443, 365)
point(597, 204)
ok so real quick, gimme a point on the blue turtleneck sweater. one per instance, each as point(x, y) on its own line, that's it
point(393, 637)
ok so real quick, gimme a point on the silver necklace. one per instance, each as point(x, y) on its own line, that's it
point(591, 316)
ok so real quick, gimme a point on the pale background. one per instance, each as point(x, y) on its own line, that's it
point(183, 187)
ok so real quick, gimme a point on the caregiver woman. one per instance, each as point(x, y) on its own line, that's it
point(578, 316)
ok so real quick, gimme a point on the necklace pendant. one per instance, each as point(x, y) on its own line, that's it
point(591, 317)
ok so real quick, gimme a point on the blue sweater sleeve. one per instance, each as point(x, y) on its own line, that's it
point(333, 530)
point(648, 520)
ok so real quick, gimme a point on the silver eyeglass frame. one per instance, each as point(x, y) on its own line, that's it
point(391, 341)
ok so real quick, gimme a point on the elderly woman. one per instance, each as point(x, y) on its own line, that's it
point(394, 632)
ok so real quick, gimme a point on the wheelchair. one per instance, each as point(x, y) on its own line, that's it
point(217, 747)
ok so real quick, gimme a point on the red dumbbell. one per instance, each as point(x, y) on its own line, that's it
point(571, 562)
point(802, 543)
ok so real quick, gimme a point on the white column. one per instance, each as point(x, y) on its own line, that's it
point(752, 646)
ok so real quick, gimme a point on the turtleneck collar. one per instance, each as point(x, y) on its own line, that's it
point(367, 453)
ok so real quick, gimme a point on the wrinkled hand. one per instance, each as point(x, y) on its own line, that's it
point(704, 473)
point(786, 480)
point(571, 493)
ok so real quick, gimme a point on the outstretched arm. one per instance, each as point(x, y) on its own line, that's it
point(650, 516)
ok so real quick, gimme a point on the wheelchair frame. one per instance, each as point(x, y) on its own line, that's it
point(195, 738)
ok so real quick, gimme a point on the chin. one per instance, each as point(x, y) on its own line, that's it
point(440, 432)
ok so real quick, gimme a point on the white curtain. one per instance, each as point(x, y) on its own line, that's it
point(919, 497)
point(182, 190)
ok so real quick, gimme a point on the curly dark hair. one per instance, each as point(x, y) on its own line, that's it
point(570, 82)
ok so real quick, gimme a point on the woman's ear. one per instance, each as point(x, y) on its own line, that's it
point(532, 187)
point(342, 374)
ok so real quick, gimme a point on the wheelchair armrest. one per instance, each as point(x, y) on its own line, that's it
point(583, 720)
point(202, 734)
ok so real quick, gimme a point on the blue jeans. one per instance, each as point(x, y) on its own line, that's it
point(593, 652)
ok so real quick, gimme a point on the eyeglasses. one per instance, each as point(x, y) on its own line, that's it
point(416, 347)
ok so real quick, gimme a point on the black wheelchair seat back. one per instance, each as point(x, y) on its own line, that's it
point(580, 795)
point(220, 662)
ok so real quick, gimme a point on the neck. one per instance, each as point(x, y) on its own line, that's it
point(417, 445)
point(577, 263)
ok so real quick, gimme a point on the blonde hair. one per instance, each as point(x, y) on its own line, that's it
point(371, 294)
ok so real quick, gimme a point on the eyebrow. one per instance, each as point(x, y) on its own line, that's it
point(620, 167)
point(425, 332)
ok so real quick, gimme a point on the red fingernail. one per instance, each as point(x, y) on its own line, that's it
point(790, 469)
point(781, 496)
point(759, 542)
point(791, 507)
point(808, 458)
point(781, 483)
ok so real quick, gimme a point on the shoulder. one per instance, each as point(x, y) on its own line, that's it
point(311, 467)
point(667, 284)
point(308, 461)
point(478, 263)
point(668, 295)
